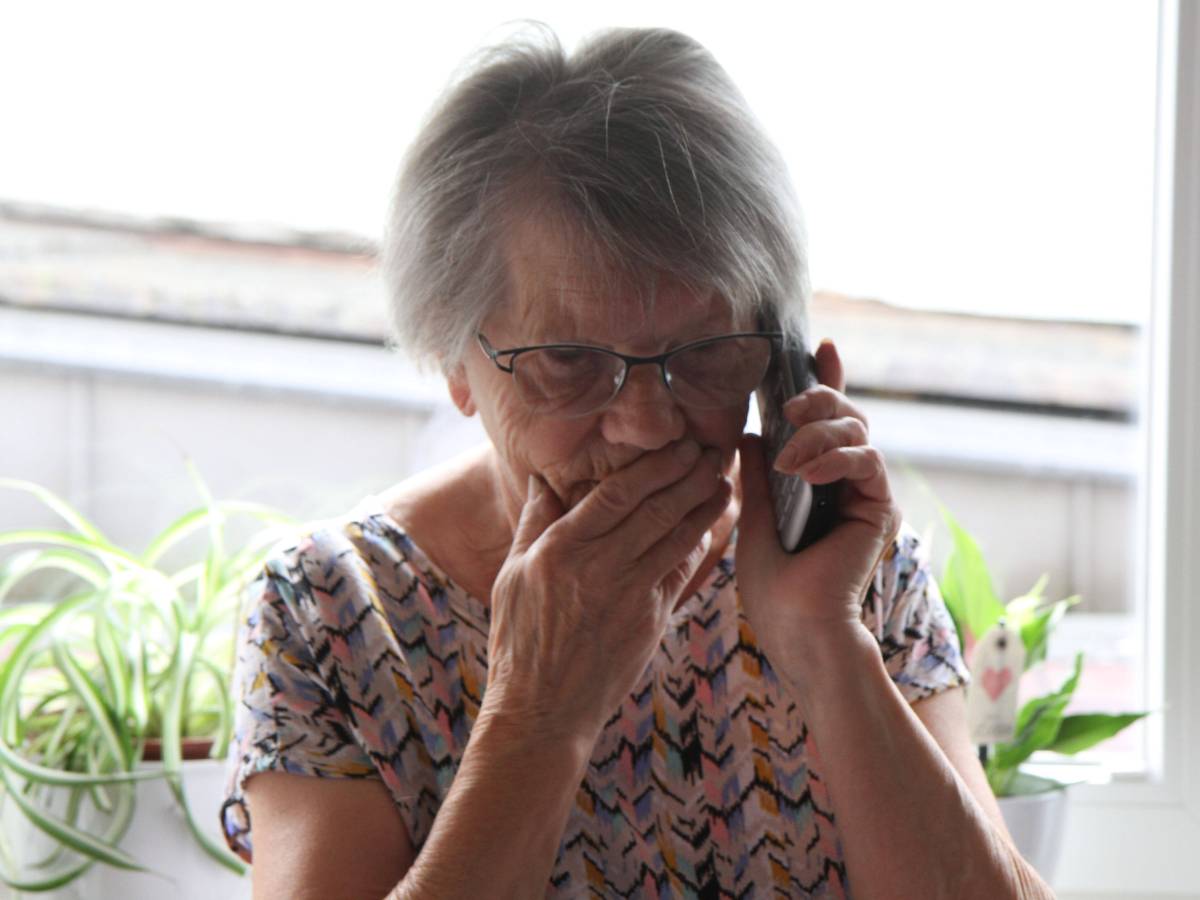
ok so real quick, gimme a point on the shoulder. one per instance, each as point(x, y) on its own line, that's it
point(907, 555)
point(903, 577)
point(431, 494)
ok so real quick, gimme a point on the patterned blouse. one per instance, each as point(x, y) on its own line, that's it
point(358, 658)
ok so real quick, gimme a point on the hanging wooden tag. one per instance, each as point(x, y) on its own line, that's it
point(996, 666)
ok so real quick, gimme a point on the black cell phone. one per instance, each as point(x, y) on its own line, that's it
point(804, 513)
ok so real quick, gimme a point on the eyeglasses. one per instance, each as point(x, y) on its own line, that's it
point(572, 380)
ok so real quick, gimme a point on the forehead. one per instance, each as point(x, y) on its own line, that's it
point(560, 288)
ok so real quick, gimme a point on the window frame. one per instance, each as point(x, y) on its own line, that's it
point(1137, 833)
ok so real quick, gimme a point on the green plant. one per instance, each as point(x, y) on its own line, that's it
point(88, 675)
point(966, 586)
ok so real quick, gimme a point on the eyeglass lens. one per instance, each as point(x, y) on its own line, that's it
point(574, 381)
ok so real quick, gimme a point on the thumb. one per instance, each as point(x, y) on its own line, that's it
point(756, 524)
point(541, 510)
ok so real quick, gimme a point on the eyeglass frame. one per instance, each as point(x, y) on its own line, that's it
point(628, 361)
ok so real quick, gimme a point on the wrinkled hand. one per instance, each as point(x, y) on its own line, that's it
point(582, 601)
point(815, 594)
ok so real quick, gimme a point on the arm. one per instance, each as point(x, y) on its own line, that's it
point(325, 838)
point(496, 834)
point(574, 623)
point(944, 716)
point(498, 831)
point(909, 825)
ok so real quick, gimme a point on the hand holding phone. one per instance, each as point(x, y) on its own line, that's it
point(803, 512)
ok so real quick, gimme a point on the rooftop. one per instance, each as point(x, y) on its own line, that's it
point(327, 285)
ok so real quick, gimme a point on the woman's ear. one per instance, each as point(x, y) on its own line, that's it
point(460, 389)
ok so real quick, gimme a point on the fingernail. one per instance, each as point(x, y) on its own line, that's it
point(687, 452)
point(530, 488)
point(787, 459)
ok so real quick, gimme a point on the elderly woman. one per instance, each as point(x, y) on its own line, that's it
point(576, 661)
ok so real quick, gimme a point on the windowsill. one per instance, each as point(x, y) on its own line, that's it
point(187, 355)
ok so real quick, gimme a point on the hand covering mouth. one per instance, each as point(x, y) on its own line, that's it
point(577, 492)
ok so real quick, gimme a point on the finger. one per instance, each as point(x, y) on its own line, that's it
point(662, 512)
point(829, 365)
point(863, 466)
point(756, 523)
point(670, 557)
point(816, 438)
point(681, 576)
point(541, 510)
point(821, 402)
point(612, 500)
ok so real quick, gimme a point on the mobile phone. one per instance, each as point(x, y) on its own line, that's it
point(803, 512)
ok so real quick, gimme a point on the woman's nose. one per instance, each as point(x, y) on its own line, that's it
point(645, 413)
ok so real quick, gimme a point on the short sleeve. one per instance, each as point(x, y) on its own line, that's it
point(905, 611)
point(286, 719)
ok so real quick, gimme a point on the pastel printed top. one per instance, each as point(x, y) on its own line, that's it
point(358, 658)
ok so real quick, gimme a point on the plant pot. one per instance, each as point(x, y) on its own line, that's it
point(159, 838)
point(193, 748)
point(1036, 823)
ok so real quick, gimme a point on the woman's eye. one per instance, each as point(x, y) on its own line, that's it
point(567, 361)
point(576, 356)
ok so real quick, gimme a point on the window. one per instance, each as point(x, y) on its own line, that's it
point(979, 184)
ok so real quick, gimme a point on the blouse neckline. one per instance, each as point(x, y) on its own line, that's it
point(474, 608)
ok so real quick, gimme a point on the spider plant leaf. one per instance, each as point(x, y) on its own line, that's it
point(174, 533)
point(224, 709)
point(72, 837)
point(66, 717)
point(194, 519)
point(214, 554)
point(218, 851)
point(64, 509)
point(27, 646)
point(139, 695)
point(52, 883)
point(21, 617)
point(100, 798)
point(22, 564)
point(89, 693)
point(74, 804)
point(117, 679)
point(66, 539)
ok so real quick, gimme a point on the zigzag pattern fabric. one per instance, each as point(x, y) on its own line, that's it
point(358, 658)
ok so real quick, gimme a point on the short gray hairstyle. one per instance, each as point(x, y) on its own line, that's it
point(639, 142)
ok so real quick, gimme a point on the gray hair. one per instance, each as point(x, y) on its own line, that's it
point(639, 142)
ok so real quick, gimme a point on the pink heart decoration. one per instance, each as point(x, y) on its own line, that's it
point(996, 680)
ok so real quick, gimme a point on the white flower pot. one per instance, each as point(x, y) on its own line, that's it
point(1036, 823)
point(159, 838)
